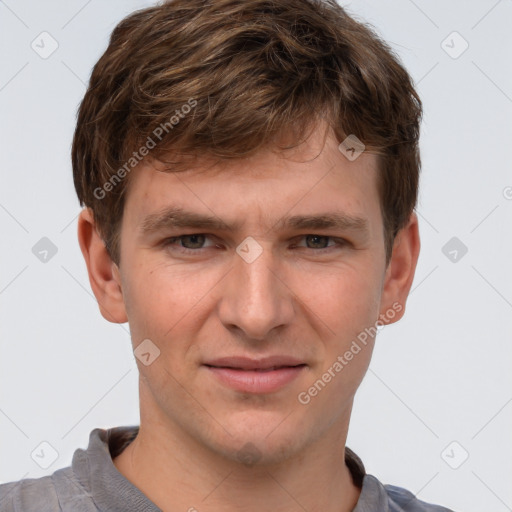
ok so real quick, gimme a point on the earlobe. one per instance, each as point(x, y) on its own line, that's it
point(103, 272)
point(400, 272)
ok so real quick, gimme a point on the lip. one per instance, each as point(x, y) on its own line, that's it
point(247, 363)
point(248, 375)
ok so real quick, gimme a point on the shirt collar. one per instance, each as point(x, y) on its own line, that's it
point(112, 492)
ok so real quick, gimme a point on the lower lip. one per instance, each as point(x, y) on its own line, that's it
point(250, 381)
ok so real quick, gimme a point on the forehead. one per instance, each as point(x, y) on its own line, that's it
point(260, 189)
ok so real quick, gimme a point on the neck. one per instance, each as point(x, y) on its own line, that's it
point(177, 473)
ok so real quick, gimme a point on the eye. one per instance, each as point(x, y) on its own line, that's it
point(321, 242)
point(317, 241)
point(196, 243)
point(186, 243)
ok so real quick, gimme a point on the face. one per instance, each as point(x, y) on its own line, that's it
point(260, 339)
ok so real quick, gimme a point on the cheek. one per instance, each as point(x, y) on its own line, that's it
point(345, 300)
point(164, 299)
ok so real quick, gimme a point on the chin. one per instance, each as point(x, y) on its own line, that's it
point(260, 439)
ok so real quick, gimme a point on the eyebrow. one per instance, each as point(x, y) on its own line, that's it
point(174, 217)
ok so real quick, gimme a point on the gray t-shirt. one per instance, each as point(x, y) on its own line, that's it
point(93, 484)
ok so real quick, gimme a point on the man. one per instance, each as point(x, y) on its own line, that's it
point(250, 172)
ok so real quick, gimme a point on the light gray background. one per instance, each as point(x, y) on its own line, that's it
point(442, 374)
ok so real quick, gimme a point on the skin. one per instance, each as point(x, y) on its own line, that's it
point(302, 296)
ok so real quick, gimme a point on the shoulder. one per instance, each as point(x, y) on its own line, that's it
point(406, 501)
point(378, 497)
point(58, 492)
point(29, 494)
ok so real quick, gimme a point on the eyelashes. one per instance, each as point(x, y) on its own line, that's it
point(197, 240)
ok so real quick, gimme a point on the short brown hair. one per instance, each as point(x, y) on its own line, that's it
point(228, 78)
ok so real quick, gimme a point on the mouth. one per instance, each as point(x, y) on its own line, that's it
point(255, 376)
point(271, 369)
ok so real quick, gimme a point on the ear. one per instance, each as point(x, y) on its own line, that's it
point(400, 272)
point(104, 274)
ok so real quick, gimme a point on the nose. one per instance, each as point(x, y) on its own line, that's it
point(255, 299)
